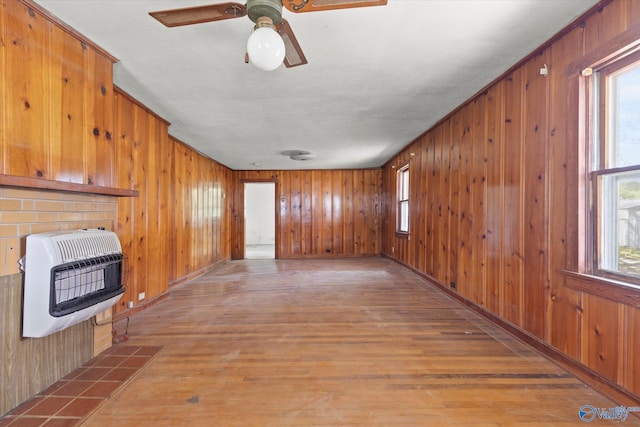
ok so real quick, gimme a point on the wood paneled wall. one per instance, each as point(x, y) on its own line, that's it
point(200, 213)
point(318, 213)
point(64, 85)
point(56, 101)
point(178, 225)
point(61, 120)
point(494, 204)
point(143, 156)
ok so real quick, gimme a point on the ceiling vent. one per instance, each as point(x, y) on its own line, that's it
point(302, 156)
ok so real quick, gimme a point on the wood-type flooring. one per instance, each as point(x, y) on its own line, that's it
point(359, 341)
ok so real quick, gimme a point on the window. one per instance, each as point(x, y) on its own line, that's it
point(615, 168)
point(403, 200)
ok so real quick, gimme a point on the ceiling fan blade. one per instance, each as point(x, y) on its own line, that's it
point(200, 14)
point(293, 53)
point(317, 5)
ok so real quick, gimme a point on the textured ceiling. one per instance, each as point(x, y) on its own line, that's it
point(377, 77)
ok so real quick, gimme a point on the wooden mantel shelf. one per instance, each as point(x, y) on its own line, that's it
point(46, 184)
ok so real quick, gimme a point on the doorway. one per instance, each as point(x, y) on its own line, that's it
point(260, 220)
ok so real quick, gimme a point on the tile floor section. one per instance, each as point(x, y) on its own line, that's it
point(69, 401)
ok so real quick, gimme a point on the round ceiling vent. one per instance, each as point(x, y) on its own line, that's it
point(302, 156)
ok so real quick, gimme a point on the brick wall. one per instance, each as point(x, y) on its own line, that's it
point(25, 211)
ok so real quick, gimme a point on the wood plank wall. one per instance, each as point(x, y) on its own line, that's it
point(56, 101)
point(62, 120)
point(324, 213)
point(178, 225)
point(52, 78)
point(144, 164)
point(200, 213)
point(494, 204)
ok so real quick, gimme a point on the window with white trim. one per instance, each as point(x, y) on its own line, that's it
point(614, 90)
point(403, 200)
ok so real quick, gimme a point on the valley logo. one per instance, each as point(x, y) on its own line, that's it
point(589, 413)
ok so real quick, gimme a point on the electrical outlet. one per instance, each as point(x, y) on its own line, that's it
point(393, 249)
point(141, 296)
point(453, 285)
point(130, 304)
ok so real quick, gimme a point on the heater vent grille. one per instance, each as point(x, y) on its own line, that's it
point(87, 247)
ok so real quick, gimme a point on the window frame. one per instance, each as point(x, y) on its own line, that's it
point(597, 94)
point(403, 198)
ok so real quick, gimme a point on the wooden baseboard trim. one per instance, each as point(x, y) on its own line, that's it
point(585, 374)
point(131, 311)
point(184, 279)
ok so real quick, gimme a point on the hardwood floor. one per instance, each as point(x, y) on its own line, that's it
point(334, 342)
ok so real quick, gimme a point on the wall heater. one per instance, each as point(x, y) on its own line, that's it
point(69, 277)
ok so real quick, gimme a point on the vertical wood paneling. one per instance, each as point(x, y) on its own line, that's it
point(198, 215)
point(513, 210)
point(606, 23)
point(27, 88)
point(67, 81)
point(3, 87)
point(348, 213)
point(320, 212)
point(326, 241)
point(632, 367)
point(139, 257)
point(454, 200)
point(444, 196)
point(535, 195)
point(125, 179)
point(478, 197)
point(337, 220)
point(99, 141)
point(423, 165)
point(465, 219)
point(55, 80)
point(495, 198)
point(512, 184)
point(56, 91)
point(565, 304)
point(437, 204)
point(601, 336)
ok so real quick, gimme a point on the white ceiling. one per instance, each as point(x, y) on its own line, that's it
point(377, 77)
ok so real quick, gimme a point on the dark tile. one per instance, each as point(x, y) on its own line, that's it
point(27, 421)
point(93, 362)
point(148, 351)
point(120, 374)
point(62, 422)
point(53, 388)
point(72, 388)
point(93, 373)
point(49, 406)
point(135, 362)
point(102, 389)
point(72, 375)
point(122, 350)
point(80, 407)
point(110, 361)
point(26, 406)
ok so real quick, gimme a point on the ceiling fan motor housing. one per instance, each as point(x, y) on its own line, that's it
point(269, 8)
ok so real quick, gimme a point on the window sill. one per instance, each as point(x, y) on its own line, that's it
point(614, 290)
point(402, 235)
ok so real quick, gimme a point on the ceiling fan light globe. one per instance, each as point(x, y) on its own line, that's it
point(265, 48)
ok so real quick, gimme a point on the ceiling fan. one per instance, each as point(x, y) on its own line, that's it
point(272, 41)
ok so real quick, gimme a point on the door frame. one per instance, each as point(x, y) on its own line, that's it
point(238, 249)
